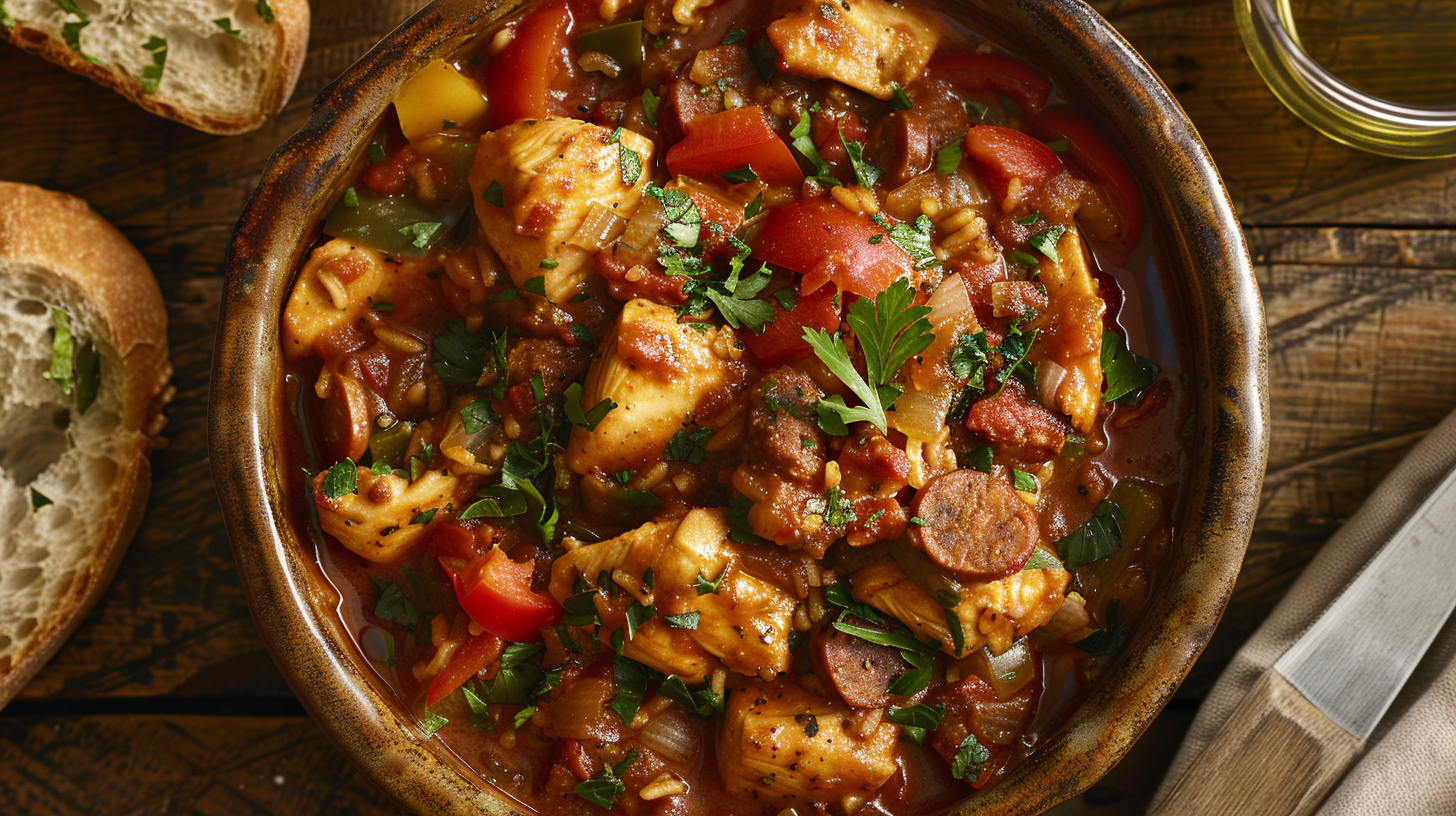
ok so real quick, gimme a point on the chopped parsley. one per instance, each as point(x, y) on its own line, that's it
point(71, 32)
point(426, 517)
point(6, 21)
point(1128, 373)
point(39, 500)
point(152, 74)
point(546, 263)
point(631, 678)
point(890, 331)
point(603, 789)
point(703, 703)
point(649, 106)
point(1010, 107)
point(589, 419)
point(631, 165)
point(1046, 241)
point(948, 160)
point(1099, 537)
point(537, 285)
point(1041, 559)
point(687, 446)
point(734, 36)
point(753, 207)
point(1110, 637)
point(976, 110)
point(916, 719)
point(1025, 259)
point(265, 11)
point(433, 722)
point(1023, 481)
point(394, 605)
point(804, 143)
point(914, 238)
point(765, 59)
point(422, 233)
point(968, 359)
point(865, 174)
point(227, 26)
point(1029, 219)
point(494, 195)
point(1059, 145)
point(476, 416)
point(706, 587)
point(970, 757)
point(340, 480)
point(899, 100)
point(836, 510)
point(351, 197)
point(742, 174)
point(687, 620)
point(461, 355)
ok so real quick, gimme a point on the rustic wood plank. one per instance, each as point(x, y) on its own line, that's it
point(145, 765)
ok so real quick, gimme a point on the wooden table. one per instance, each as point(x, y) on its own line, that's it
point(165, 701)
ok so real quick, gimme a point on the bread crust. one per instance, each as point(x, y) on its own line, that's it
point(61, 234)
point(291, 19)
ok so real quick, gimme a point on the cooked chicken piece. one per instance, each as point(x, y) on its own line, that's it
point(552, 173)
point(375, 521)
point(1074, 340)
point(333, 291)
point(992, 613)
point(779, 742)
point(745, 624)
point(867, 44)
point(662, 375)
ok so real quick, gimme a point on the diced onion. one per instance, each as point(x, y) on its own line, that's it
point(920, 412)
point(1009, 671)
point(1049, 377)
point(468, 450)
point(949, 192)
point(673, 735)
point(1001, 720)
point(600, 228)
point(641, 233)
point(1071, 617)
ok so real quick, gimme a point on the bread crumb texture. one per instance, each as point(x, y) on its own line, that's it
point(47, 554)
point(209, 74)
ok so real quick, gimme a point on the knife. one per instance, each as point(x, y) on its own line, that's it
point(1307, 718)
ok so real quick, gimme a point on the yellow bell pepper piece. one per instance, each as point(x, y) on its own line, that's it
point(437, 98)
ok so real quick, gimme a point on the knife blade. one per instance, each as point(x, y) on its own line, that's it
point(1306, 719)
point(1357, 656)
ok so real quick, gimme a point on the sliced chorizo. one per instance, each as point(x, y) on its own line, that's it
point(858, 671)
point(974, 525)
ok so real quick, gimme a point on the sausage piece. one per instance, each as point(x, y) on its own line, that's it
point(901, 143)
point(1021, 428)
point(858, 671)
point(783, 437)
point(974, 525)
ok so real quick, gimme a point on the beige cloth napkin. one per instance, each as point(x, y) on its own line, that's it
point(1409, 765)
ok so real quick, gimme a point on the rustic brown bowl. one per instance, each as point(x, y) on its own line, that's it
point(268, 516)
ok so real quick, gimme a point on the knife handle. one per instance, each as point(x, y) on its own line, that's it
point(1276, 755)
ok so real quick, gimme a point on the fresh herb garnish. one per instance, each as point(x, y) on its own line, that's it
point(948, 160)
point(704, 703)
point(1096, 539)
point(152, 74)
point(1058, 145)
point(753, 207)
point(742, 174)
point(1109, 639)
point(433, 722)
point(340, 480)
point(265, 11)
point(914, 238)
point(394, 605)
point(585, 419)
point(890, 331)
point(898, 100)
point(976, 110)
point(460, 355)
point(1041, 559)
point(476, 416)
point(227, 26)
point(833, 507)
point(631, 678)
point(765, 59)
point(970, 757)
point(39, 500)
point(916, 719)
point(1029, 219)
point(1023, 481)
point(734, 36)
point(687, 620)
point(706, 587)
point(650, 101)
point(631, 165)
point(865, 174)
point(494, 195)
point(638, 614)
point(804, 143)
point(1046, 241)
point(495, 501)
point(604, 788)
point(1128, 373)
point(687, 446)
point(425, 517)
point(957, 633)
point(968, 359)
point(423, 232)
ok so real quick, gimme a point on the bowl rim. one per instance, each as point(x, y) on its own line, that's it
point(1225, 335)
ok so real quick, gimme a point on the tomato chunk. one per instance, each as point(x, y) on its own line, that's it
point(518, 79)
point(988, 72)
point(728, 141)
point(496, 593)
point(470, 658)
point(827, 243)
point(1094, 154)
point(1002, 154)
point(783, 338)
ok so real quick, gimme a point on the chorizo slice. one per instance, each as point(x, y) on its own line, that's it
point(974, 525)
point(858, 671)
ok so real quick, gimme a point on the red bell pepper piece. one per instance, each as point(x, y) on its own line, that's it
point(1093, 153)
point(783, 338)
point(826, 242)
point(1002, 154)
point(496, 593)
point(470, 658)
point(518, 79)
point(729, 140)
point(972, 73)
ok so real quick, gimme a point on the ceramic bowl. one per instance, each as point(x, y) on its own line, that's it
point(1213, 286)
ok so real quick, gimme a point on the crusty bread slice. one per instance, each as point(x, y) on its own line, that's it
point(212, 80)
point(56, 559)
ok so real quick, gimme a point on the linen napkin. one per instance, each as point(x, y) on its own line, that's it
point(1409, 764)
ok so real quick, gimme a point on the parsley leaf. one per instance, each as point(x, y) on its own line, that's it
point(742, 174)
point(706, 587)
point(890, 331)
point(1096, 539)
point(586, 419)
point(265, 11)
point(631, 165)
point(968, 359)
point(917, 716)
point(1041, 559)
point(687, 446)
point(494, 195)
point(804, 143)
point(227, 26)
point(638, 614)
point(948, 160)
point(704, 703)
point(1023, 481)
point(63, 353)
point(1128, 373)
point(753, 207)
point(1046, 241)
point(865, 174)
point(631, 678)
point(340, 480)
point(969, 758)
point(687, 620)
point(914, 238)
point(71, 35)
point(433, 722)
point(1109, 639)
point(39, 500)
point(604, 788)
point(394, 606)
point(460, 355)
point(152, 74)
point(765, 59)
point(649, 106)
point(899, 101)
point(734, 36)
point(495, 501)
point(476, 416)
point(833, 507)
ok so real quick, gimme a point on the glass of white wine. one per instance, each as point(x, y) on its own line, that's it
point(1378, 75)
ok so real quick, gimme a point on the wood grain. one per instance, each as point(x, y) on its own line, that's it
point(165, 700)
point(1276, 755)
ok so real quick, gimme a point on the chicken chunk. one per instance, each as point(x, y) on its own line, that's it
point(744, 626)
point(662, 375)
point(551, 174)
point(332, 292)
point(867, 44)
point(375, 520)
point(1075, 337)
point(992, 613)
point(779, 742)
